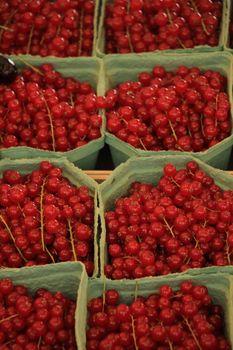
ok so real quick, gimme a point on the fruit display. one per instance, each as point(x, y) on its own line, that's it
point(144, 260)
point(182, 222)
point(186, 318)
point(187, 109)
point(43, 109)
point(142, 26)
point(43, 321)
point(59, 28)
point(45, 218)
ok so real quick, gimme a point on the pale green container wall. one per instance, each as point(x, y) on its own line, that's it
point(100, 42)
point(226, 37)
point(120, 69)
point(220, 288)
point(147, 169)
point(68, 278)
point(74, 175)
point(86, 70)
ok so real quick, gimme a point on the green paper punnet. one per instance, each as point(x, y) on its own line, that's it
point(68, 278)
point(83, 69)
point(150, 169)
point(120, 69)
point(73, 174)
point(100, 41)
point(219, 287)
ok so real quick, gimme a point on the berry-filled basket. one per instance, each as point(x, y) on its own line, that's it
point(101, 37)
point(42, 283)
point(84, 70)
point(124, 69)
point(50, 28)
point(56, 204)
point(140, 325)
point(141, 239)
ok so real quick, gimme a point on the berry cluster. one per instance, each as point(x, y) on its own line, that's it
point(185, 110)
point(47, 28)
point(185, 221)
point(44, 219)
point(44, 321)
point(141, 25)
point(168, 320)
point(42, 109)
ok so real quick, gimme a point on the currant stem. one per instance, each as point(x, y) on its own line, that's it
point(168, 226)
point(227, 250)
point(8, 318)
point(50, 255)
point(72, 240)
point(39, 343)
point(81, 32)
point(30, 40)
point(71, 100)
point(173, 130)
point(12, 237)
point(51, 123)
point(104, 291)
point(141, 142)
point(216, 107)
point(171, 22)
point(192, 333)
point(127, 30)
point(29, 65)
point(202, 127)
point(134, 333)
point(131, 257)
point(6, 28)
point(170, 345)
point(202, 22)
point(42, 214)
point(7, 23)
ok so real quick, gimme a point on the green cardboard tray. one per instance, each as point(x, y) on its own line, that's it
point(120, 69)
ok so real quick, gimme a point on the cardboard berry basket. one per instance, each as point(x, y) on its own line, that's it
point(100, 42)
point(122, 69)
point(150, 170)
point(74, 175)
point(85, 70)
point(67, 278)
point(219, 287)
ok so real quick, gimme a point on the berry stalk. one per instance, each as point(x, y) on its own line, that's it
point(42, 214)
point(192, 333)
point(50, 122)
point(202, 22)
point(134, 333)
point(127, 29)
point(81, 32)
point(12, 236)
point(72, 240)
point(30, 40)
